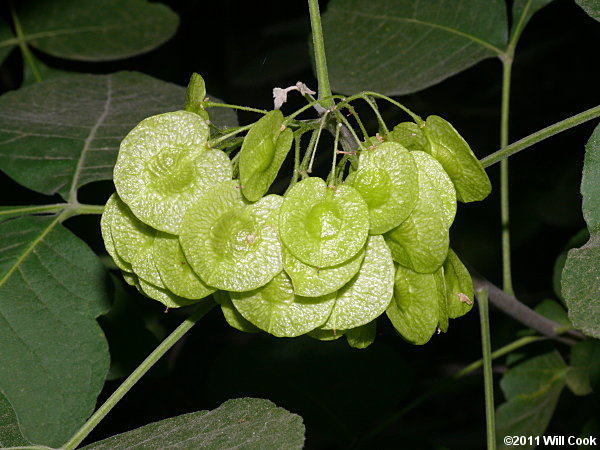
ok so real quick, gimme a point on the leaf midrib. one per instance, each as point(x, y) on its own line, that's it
point(451, 30)
point(89, 139)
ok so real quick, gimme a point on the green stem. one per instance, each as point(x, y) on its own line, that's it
point(482, 297)
point(238, 130)
point(227, 105)
point(331, 181)
point(438, 388)
point(27, 55)
point(162, 348)
point(319, 49)
point(88, 209)
point(33, 209)
point(363, 95)
point(539, 136)
point(504, 197)
point(314, 150)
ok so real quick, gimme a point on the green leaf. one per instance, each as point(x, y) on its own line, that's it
point(248, 423)
point(8, 212)
point(522, 11)
point(7, 40)
point(363, 336)
point(531, 389)
point(230, 245)
point(276, 309)
point(323, 226)
point(369, 293)
point(99, 31)
point(590, 182)
point(263, 151)
point(554, 311)
point(61, 134)
point(419, 304)
point(458, 160)
point(408, 45)
point(54, 355)
point(387, 180)
point(576, 241)
point(581, 286)
point(10, 434)
point(163, 168)
point(459, 286)
point(584, 376)
point(591, 7)
point(310, 281)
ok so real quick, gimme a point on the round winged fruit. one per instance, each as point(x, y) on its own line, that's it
point(323, 225)
point(105, 227)
point(410, 135)
point(457, 158)
point(231, 245)
point(368, 294)
point(421, 241)
point(419, 305)
point(164, 167)
point(263, 151)
point(174, 269)
point(387, 180)
point(276, 309)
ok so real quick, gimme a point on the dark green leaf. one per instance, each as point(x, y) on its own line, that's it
point(554, 311)
point(54, 355)
point(581, 286)
point(61, 134)
point(531, 389)
point(584, 376)
point(522, 12)
point(96, 31)
point(7, 40)
point(576, 241)
point(10, 435)
point(7, 212)
point(592, 7)
point(248, 423)
point(590, 182)
point(402, 46)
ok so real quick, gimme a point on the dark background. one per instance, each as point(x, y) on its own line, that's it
point(243, 50)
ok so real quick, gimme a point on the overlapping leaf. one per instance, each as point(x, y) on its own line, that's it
point(54, 355)
point(95, 31)
point(248, 423)
point(408, 45)
point(61, 134)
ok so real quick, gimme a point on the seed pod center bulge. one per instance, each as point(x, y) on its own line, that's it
point(325, 259)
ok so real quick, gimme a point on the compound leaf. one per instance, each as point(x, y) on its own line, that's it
point(592, 7)
point(61, 134)
point(101, 30)
point(54, 355)
point(248, 423)
point(590, 182)
point(522, 11)
point(531, 389)
point(10, 434)
point(407, 45)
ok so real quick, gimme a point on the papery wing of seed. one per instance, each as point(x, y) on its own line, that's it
point(363, 336)
point(263, 151)
point(105, 227)
point(230, 245)
point(419, 304)
point(387, 180)
point(323, 226)
point(164, 296)
point(410, 135)
point(310, 281)
point(133, 241)
point(460, 295)
point(275, 308)
point(368, 294)
point(174, 269)
point(452, 151)
point(232, 316)
point(163, 167)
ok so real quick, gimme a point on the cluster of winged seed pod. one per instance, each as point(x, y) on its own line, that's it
point(321, 260)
